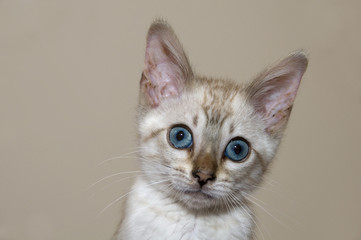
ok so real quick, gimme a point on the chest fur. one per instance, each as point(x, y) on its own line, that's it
point(151, 215)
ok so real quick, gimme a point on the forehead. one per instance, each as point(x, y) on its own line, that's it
point(208, 106)
point(217, 113)
point(218, 100)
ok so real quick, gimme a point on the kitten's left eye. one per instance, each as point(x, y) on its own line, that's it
point(237, 149)
point(180, 137)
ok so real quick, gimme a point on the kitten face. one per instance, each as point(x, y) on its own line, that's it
point(213, 123)
point(207, 142)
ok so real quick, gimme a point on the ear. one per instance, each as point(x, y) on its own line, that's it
point(273, 92)
point(166, 69)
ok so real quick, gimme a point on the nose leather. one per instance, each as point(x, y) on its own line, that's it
point(203, 177)
point(204, 168)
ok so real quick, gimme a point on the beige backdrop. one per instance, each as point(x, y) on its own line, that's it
point(69, 73)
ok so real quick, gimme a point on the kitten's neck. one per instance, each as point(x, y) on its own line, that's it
point(150, 212)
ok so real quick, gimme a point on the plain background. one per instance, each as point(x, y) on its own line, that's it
point(69, 75)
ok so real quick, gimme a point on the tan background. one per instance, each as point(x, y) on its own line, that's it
point(69, 73)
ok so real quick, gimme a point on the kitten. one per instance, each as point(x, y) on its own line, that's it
point(205, 144)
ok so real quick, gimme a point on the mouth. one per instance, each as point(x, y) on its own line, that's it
point(194, 197)
point(199, 193)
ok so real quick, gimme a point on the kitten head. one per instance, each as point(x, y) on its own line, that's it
point(205, 143)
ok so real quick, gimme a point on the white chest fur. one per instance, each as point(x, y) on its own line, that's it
point(151, 215)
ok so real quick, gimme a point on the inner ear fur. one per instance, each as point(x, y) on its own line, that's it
point(273, 92)
point(166, 66)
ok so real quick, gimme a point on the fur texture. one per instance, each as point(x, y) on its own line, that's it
point(198, 192)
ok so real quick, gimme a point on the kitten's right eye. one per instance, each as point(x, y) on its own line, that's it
point(180, 137)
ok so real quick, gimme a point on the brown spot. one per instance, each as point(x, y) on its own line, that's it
point(232, 97)
point(153, 134)
point(261, 161)
point(148, 90)
point(231, 128)
point(195, 120)
point(205, 109)
point(214, 118)
point(182, 170)
point(282, 119)
point(190, 154)
point(224, 118)
point(166, 50)
point(204, 99)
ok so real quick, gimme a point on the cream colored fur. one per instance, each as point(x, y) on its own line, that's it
point(167, 202)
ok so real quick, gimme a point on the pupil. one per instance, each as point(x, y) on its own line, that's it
point(180, 135)
point(237, 149)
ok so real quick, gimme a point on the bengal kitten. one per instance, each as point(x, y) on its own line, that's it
point(204, 144)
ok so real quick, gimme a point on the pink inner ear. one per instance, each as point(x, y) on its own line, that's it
point(161, 82)
point(273, 92)
point(168, 84)
point(162, 73)
point(278, 107)
point(276, 98)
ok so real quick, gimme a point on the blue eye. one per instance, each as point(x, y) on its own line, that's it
point(180, 137)
point(237, 150)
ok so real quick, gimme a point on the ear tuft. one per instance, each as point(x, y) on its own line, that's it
point(273, 92)
point(166, 67)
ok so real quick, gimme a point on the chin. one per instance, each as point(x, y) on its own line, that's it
point(197, 200)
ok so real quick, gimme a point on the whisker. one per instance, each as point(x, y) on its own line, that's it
point(284, 196)
point(156, 163)
point(136, 227)
point(126, 155)
point(244, 206)
point(256, 199)
point(264, 209)
point(112, 175)
point(111, 184)
point(270, 181)
point(265, 189)
point(231, 203)
point(227, 206)
point(154, 160)
point(124, 195)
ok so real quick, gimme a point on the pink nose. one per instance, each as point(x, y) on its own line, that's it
point(203, 176)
